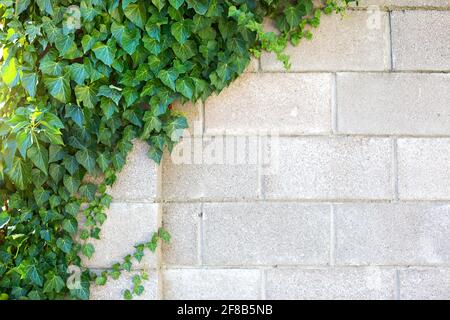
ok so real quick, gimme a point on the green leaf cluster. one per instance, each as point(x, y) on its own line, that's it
point(79, 81)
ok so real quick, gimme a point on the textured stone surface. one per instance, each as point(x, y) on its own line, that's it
point(137, 179)
point(215, 284)
point(392, 234)
point(336, 168)
point(425, 284)
point(389, 103)
point(424, 169)
point(337, 283)
point(266, 234)
point(359, 41)
point(114, 289)
point(421, 40)
point(182, 220)
point(127, 225)
point(196, 172)
point(414, 3)
point(253, 103)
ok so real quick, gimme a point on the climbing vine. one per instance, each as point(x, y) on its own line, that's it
point(79, 81)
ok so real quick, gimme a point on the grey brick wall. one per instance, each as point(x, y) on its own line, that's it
point(329, 181)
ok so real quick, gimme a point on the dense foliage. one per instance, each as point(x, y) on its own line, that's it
point(79, 81)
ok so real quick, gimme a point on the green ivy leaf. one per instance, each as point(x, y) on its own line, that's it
point(59, 87)
point(4, 219)
point(72, 184)
point(159, 4)
point(41, 196)
point(181, 30)
point(105, 52)
point(136, 13)
point(168, 77)
point(33, 275)
point(39, 157)
point(185, 86)
point(88, 250)
point(65, 244)
point(54, 283)
point(176, 3)
point(22, 5)
point(29, 82)
point(70, 225)
point(45, 6)
point(86, 158)
point(20, 173)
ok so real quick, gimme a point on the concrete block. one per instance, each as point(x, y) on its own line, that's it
point(392, 234)
point(358, 41)
point(242, 234)
point(254, 103)
point(420, 40)
point(393, 103)
point(330, 284)
point(424, 169)
point(211, 284)
point(182, 221)
point(330, 168)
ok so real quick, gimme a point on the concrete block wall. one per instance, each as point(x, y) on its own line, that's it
point(327, 181)
point(356, 202)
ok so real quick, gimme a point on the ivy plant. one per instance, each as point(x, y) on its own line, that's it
point(79, 81)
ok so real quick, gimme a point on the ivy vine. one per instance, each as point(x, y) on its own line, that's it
point(79, 81)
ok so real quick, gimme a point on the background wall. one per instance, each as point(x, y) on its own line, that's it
point(328, 181)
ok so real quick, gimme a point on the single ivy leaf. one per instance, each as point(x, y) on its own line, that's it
point(22, 5)
point(103, 161)
point(127, 295)
point(72, 208)
point(185, 86)
point(70, 225)
point(200, 6)
point(67, 47)
point(159, 4)
point(86, 158)
point(54, 283)
point(45, 6)
point(181, 30)
point(71, 164)
point(176, 3)
point(72, 184)
point(137, 14)
point(10, 73)
point(65, 244)
point(88, 250)
point(78, 73)
point(86, 95)
point(29, 82)
point(105, 52)
point(184, 51)
point(41, 196)
point(33, 275)
point(20, 173)
point(88, 191)
point(75, 113)
point(4, 219)
point(24, 141)
point(87, 42)
point(39, 157)
point(293, 16)
point(168, 77)
point(59, 87)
